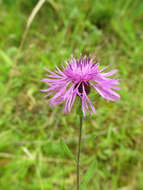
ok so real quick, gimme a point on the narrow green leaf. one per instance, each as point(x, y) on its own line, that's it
point(89, 173)
point(65, 150)
point(5, 58)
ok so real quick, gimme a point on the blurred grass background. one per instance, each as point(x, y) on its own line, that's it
point(37, 142)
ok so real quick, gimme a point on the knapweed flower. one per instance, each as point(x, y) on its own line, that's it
point(77, 78)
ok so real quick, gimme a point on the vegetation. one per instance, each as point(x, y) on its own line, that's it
point(38, 142)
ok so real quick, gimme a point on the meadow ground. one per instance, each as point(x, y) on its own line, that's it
point(38, 142)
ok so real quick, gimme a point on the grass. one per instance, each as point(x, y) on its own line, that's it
point(37, 142)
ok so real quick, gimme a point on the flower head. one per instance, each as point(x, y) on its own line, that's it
point(77, 78)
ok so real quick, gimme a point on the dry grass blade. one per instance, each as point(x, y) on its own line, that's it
point(30, 20)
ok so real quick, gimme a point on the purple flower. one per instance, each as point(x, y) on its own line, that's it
point(77, 78)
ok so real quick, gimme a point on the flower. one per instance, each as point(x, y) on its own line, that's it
point(76, 79)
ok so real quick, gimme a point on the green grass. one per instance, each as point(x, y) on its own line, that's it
point(38, 142)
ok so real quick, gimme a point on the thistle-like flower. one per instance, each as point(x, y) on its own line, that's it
point(77, 78)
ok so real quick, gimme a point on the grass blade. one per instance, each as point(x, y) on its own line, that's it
point(65, 150)
point(89, 173)
point(30, 20)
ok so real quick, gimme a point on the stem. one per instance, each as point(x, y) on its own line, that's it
point(79, 150)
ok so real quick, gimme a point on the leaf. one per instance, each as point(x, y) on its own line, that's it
point(30, 19)
point(5, 58)
point(5, 66)
point(89, 173)
point(65, 150)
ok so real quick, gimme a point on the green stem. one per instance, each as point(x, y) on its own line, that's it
point(79, 150)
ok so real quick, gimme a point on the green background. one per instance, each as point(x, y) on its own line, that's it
point(37, 142)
